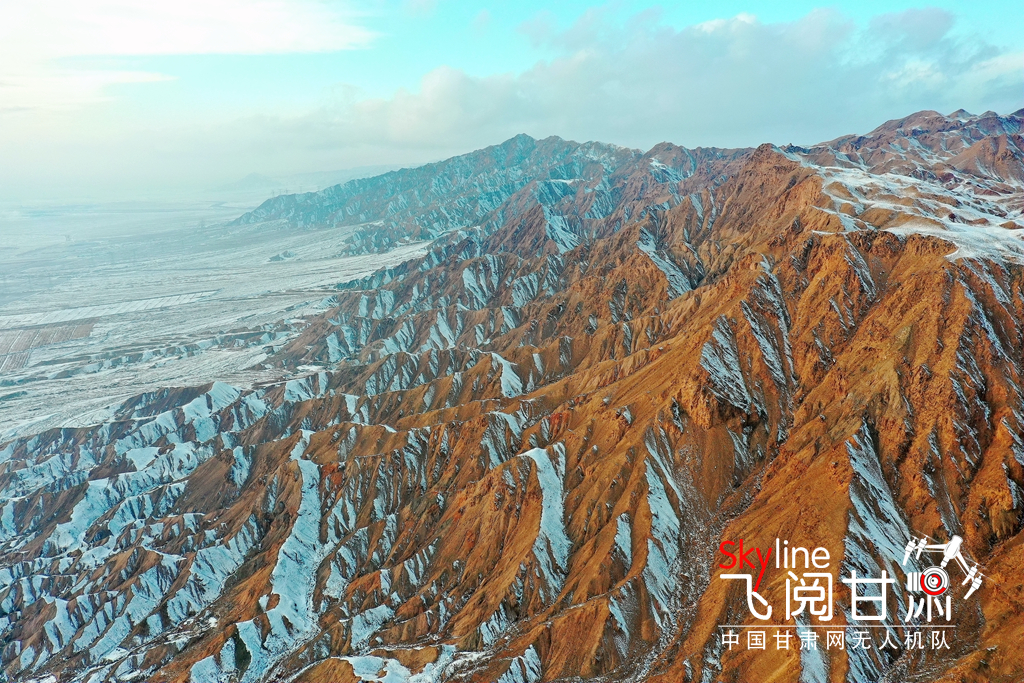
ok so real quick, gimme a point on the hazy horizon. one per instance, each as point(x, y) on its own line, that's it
point(253, 188)
point(98, 102)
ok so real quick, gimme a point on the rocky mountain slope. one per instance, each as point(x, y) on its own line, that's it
point(514, 458)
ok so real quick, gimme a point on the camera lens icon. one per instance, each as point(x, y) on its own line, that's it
point(934, 581)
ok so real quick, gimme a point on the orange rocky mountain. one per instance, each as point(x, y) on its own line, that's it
point(514, 458)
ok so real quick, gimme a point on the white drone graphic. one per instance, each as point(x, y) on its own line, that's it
point(933, 576)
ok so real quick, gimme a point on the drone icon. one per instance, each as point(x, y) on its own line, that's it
point(950, 551)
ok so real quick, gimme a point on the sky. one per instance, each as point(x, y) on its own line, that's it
point(123, 99)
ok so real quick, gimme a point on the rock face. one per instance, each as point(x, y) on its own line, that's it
point(514, 458)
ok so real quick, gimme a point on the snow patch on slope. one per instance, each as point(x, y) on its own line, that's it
point(551, 548)
point(678, 283)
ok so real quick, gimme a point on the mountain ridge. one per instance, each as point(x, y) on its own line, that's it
point(513, 458)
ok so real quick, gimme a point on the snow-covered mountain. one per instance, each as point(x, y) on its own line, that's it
point(514, 457)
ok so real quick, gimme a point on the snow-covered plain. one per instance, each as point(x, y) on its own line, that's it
point(100, 302)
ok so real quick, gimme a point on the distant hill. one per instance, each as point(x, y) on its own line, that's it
point(302, 182)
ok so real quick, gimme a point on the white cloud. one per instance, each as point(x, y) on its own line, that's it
point(732, 82)
point(729, 82)
point(40, 40)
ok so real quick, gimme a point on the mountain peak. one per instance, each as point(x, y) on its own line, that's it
point(526, 442)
